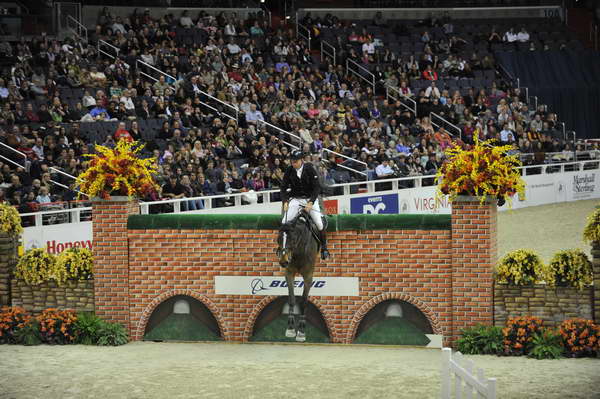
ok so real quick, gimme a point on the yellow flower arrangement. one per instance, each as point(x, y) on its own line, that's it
point(591, 233)
point(36, 266)
point(10, 221)
point(118, 171)
point(484, 170)
point(570, 267)
point(520, 267)
point(74, 264)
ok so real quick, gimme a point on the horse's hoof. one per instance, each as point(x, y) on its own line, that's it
point(290, 333)
point(300, 337)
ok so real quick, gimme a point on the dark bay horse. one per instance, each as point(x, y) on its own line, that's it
point(298, 255)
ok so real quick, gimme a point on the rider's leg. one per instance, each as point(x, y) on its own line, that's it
point(316, 216)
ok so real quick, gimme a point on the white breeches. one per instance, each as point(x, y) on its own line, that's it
point(294, 207)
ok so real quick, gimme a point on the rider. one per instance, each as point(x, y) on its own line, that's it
point(302, 181)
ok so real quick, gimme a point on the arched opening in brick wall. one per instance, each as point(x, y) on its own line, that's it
point(394, 322)
point(271, 323)
point(182, 318)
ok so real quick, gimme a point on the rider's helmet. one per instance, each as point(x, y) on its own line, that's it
point(296, 155)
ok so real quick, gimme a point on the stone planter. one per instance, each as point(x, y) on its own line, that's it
point(8, 259)
point(73, 294)
point(596, 283)
point(551, 304)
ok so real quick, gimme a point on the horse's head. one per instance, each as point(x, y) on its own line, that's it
point(297, 232)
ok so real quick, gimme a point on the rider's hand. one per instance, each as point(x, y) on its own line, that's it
point(308, 206)
point(285, 206)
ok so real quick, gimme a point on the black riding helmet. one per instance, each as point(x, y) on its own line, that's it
point(296, 155)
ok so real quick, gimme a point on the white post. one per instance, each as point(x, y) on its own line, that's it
point(446, 355)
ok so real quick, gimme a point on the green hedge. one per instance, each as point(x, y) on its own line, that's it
point(272, 222)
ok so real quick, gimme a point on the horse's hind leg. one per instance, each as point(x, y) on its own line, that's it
point(301, 334)
point(290, 332)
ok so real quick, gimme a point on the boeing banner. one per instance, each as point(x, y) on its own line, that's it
point(276, 285)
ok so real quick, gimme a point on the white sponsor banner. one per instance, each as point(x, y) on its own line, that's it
point(58, 237)
point(276, 285)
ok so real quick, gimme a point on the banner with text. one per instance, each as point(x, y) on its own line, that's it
point(276, 285)
point(58, 237)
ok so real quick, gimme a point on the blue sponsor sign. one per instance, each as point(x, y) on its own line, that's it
point(375, 204)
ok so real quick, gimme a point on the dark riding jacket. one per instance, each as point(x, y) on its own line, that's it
point(307, 186)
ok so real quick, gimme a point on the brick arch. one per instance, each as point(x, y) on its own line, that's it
point(163, 296)
point(367, 306)
point(268, 299)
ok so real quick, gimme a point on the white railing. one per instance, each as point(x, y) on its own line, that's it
point(77, 28)
point(153, 68)
point(232, 108)
point(446, 124)
point(390, 91)
point(397, 184)
point(107, 45)
point(468, 380)
point(355, 64)
point(327, 50)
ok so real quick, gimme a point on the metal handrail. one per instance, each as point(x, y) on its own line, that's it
point(65, 173)
point(327, 53)
point(389, 88)
point(371, 82)
point(17, 151)
point(452, 125)
point(235, 108)
point(324, 149)
point(80, 28)
point(105, 43)
point(306, 36)
point(138, 61)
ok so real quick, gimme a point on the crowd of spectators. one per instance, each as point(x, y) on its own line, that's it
point(60, 97)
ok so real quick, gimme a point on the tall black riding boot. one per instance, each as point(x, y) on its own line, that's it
point(323, 239)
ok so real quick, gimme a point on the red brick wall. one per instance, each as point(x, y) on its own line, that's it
point(111, 260)
point(474, 252)
point(423, 267)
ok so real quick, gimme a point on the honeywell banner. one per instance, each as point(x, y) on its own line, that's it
point(276, 285)
point(58, 237)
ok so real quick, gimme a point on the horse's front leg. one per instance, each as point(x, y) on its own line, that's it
point(290, 332)
point(301, 334)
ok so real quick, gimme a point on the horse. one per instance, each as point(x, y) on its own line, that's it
point(298, 255)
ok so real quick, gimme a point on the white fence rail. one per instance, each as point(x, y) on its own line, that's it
point(469, 382)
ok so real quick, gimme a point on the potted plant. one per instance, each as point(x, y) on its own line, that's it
point(485, 170)
point(520, 267)
point(591, 232)
point(36, 266)
point(570, 267)
point(10, 221)
point(118, 171)
point(74, 264)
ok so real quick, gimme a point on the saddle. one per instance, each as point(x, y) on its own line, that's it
point(303, 217)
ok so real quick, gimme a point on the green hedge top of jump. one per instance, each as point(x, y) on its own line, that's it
point(272, 222)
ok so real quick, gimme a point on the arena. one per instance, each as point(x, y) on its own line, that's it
point(221, 98)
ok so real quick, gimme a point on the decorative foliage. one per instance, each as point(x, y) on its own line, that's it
point(481, 340)
point(484, 170)
point(36, 266)
point(12, 319)
point(10, 221)
point(570, 267)
point(57, 326)
point(112, 334)
point(580, 337)
point(591, 233)
point(519, 333)
point(547, 344)
point(74, 264)
point(520, 267)
point(87, 328)
point(118, 171)
point(30, 333)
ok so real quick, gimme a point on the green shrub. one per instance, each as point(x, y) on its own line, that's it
point(87, 328)
point(481, 340)
point(12, 320)
point(112, 334)
point(546, 344)
point(29, 334)
point(520, 267)
point(570, 267)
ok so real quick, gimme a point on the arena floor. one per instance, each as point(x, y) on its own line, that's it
point(262, 371)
